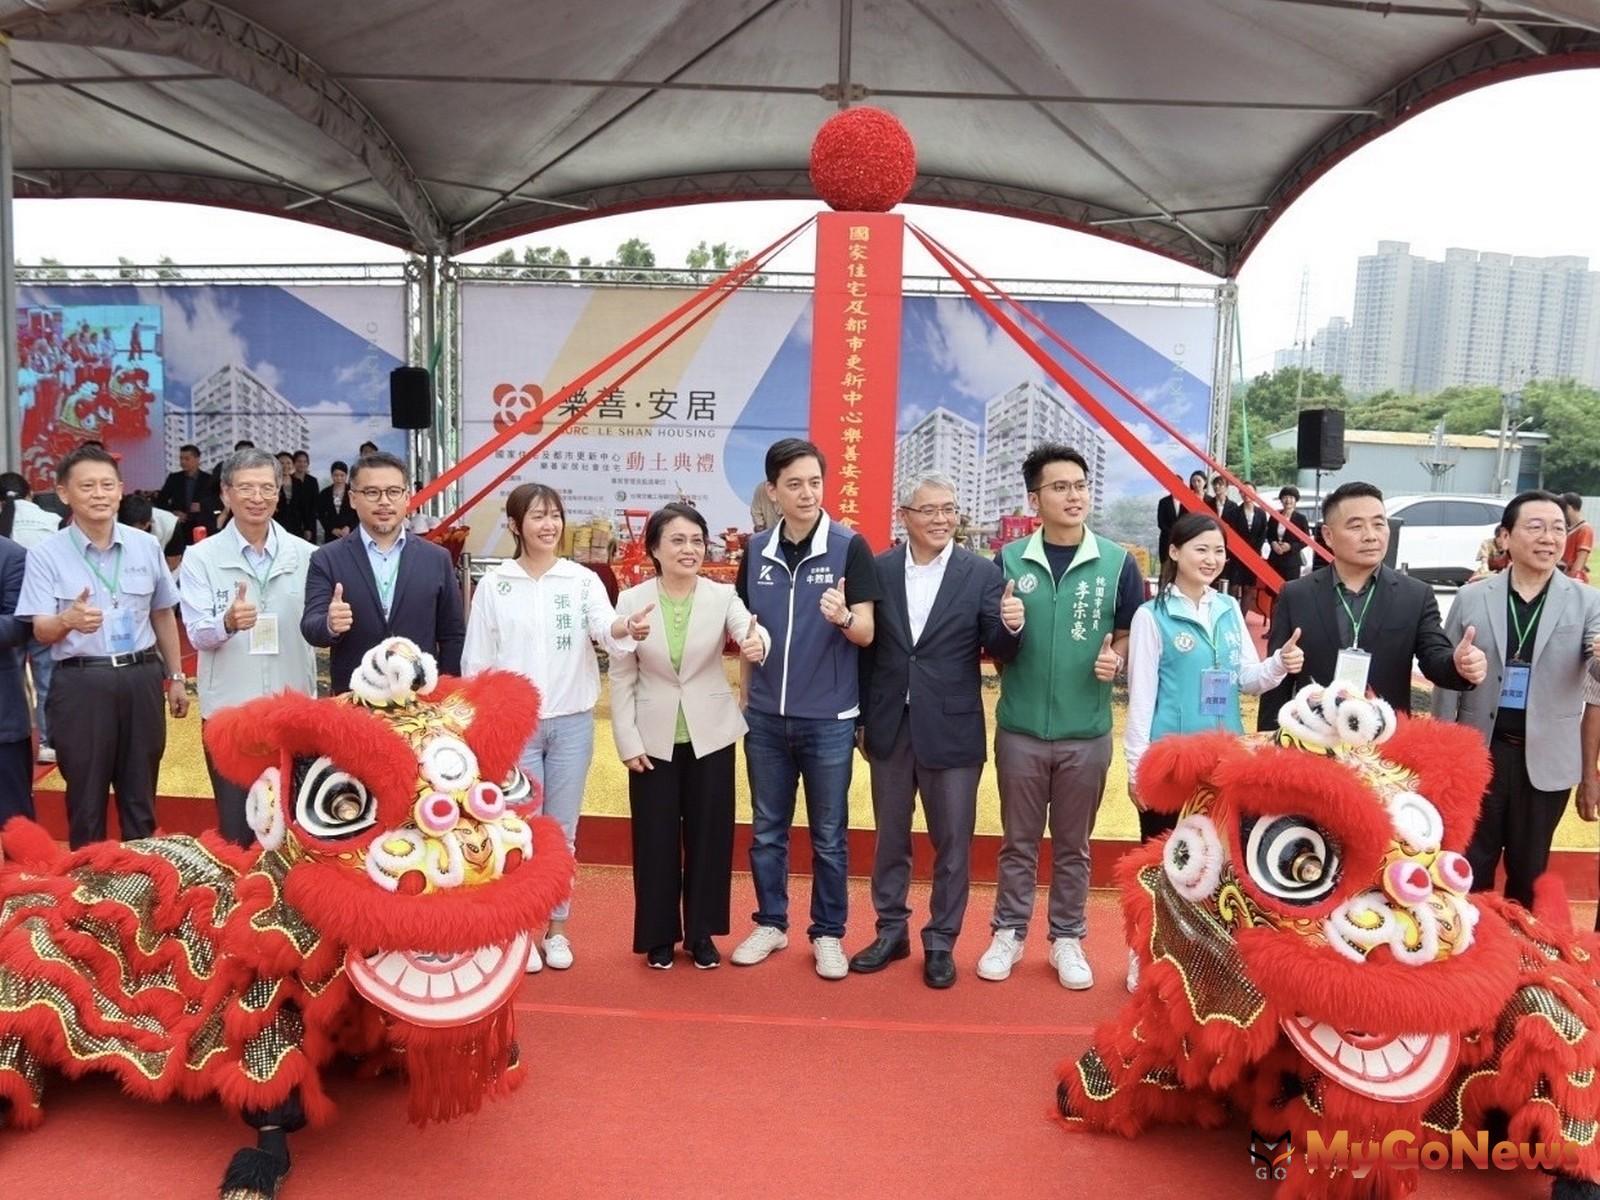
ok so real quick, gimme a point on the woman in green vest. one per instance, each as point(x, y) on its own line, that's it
point(1190, 656)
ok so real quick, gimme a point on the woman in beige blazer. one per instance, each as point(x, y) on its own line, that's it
point(675, 719)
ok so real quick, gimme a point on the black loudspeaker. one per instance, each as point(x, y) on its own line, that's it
point(411, 398)
point(1321, 440)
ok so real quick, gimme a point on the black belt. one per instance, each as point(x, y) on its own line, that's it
point(1511, 739)
point(111, 660)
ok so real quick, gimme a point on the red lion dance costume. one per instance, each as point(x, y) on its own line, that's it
point(386, 916)
point(1312, 958)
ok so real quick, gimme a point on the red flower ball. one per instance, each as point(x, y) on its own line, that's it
point(863, 160)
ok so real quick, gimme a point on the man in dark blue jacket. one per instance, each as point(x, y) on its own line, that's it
point(812, 583)
point(923, 725)
point(381, 583)
point(16, 729)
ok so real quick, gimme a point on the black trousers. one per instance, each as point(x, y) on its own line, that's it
point(109, 729)
point(682, 847)
point(1518, 821)
point(230, 797)
point(16, 780)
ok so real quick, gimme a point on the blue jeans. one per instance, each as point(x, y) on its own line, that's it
point(780, 751)
point(557, 759)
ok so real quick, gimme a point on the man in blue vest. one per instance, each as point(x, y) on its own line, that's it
point(1052, 747)
point(812, 583)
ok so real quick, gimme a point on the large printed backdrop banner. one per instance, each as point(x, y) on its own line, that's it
point(697, 421)
point(147, 368)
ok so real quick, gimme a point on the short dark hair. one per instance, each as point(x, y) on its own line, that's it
point(1042, 455)
point(339, 466)
point(663, 517)
point(135, 510)
point(372, 462)
point(1508, 519)
point(522, 498)
point(1355, 489)
point(791, 450)
point(189, 448)
point(87, 452)
point(1216, 479)
point(363, 448)
point(1572, 500)
point(284, 454)
point(1288, 490)
point(305, 454)
point(244, 444)
point(1200, 475)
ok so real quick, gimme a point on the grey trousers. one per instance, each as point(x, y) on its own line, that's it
point(109, 728)
point(231, 803)
point(950, 803)
point(1058, 784)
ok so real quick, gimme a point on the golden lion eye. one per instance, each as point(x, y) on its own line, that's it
point(1307, 867)
point(347, 807)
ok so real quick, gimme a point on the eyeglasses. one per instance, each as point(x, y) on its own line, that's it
point(1067, 487)
point(250, 491)
point(929, 511)
point(1540, 528)
point(373, 494)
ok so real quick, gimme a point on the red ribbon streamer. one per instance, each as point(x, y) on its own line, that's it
point(1159, 471)
point(738, 276)
point(1172, 431)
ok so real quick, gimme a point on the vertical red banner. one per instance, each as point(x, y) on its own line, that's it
point(855, 365)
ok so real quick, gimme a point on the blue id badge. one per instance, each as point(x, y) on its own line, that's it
point(1216, 690)
point(1514, 686)
point(119, 630)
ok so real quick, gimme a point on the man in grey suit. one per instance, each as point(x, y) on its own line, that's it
point(1540, 632)
point(923, 727)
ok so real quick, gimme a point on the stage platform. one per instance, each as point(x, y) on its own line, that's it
point(743, 1081)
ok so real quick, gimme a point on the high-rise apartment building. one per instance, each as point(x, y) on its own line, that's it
point(1329, 352)
point(232, 404)
point(1475, 319)
point(1014, 423)
point(946, 443)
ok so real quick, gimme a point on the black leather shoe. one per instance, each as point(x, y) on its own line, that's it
point(879, 955)
point(938, 968)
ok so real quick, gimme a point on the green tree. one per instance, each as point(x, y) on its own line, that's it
point(1273, 401)
point(1570, 413)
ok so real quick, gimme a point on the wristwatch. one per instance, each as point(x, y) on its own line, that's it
point(850, 619)
point(177, 677)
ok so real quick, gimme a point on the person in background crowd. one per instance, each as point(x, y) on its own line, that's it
point(335, 512)
point(16, 730)
point(1249, 521)
point(304, 494)
point(1580, 539)
point(813, 584)
point(536, 613)
point(192, 494)
point(288, 513)
point(241, 444)
point(1541, 632)
point(764, 513)
point(675, 721)
point(1589, 743)
point(1363, 621)
point(27, 523)
point(922, 726)
point(367, 448)
point(136, 512)
point(100, 595)
point(1052, 744)
point(242, 595)
point(135, 343)
point(1190, 657)
point(1492, 555)
point(1168, 510)
point(1285, 552)
point(380, 583)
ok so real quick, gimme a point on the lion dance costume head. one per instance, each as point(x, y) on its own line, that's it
point(1313, 959)
point(385, 915)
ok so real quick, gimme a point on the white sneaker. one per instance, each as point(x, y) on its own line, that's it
point(47, 754)
point(761, 941)
point(831, 962)
point(558, 952)
point(535, 963)
point(1004, 952)
point(1133, 969)
point(1072, 968)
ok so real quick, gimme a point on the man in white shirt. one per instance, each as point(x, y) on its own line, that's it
point(923, 728)
point(241, 593)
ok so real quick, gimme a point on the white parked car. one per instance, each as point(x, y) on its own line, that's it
point(1441, 534)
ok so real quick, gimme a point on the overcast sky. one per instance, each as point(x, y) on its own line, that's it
point(1509, 168)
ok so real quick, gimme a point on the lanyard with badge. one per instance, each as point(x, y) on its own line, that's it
point(119, 622)
point(1216, 682)
point(1514, 687)
point(264, 633)
point(1354, 664)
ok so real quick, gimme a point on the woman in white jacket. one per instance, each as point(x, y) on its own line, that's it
point(675, 720)
point(537, 613)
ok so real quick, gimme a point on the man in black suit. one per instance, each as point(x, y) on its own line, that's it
point(192, 494)
point(380, 583)
point(1372, 617)
point(1169, 510)
point(923, 726)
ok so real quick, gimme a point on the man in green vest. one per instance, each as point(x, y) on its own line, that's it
point(1053, 745)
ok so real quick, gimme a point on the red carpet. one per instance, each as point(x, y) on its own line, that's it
point(758, 1081)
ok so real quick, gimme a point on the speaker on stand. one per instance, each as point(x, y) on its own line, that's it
point(1319, 443)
